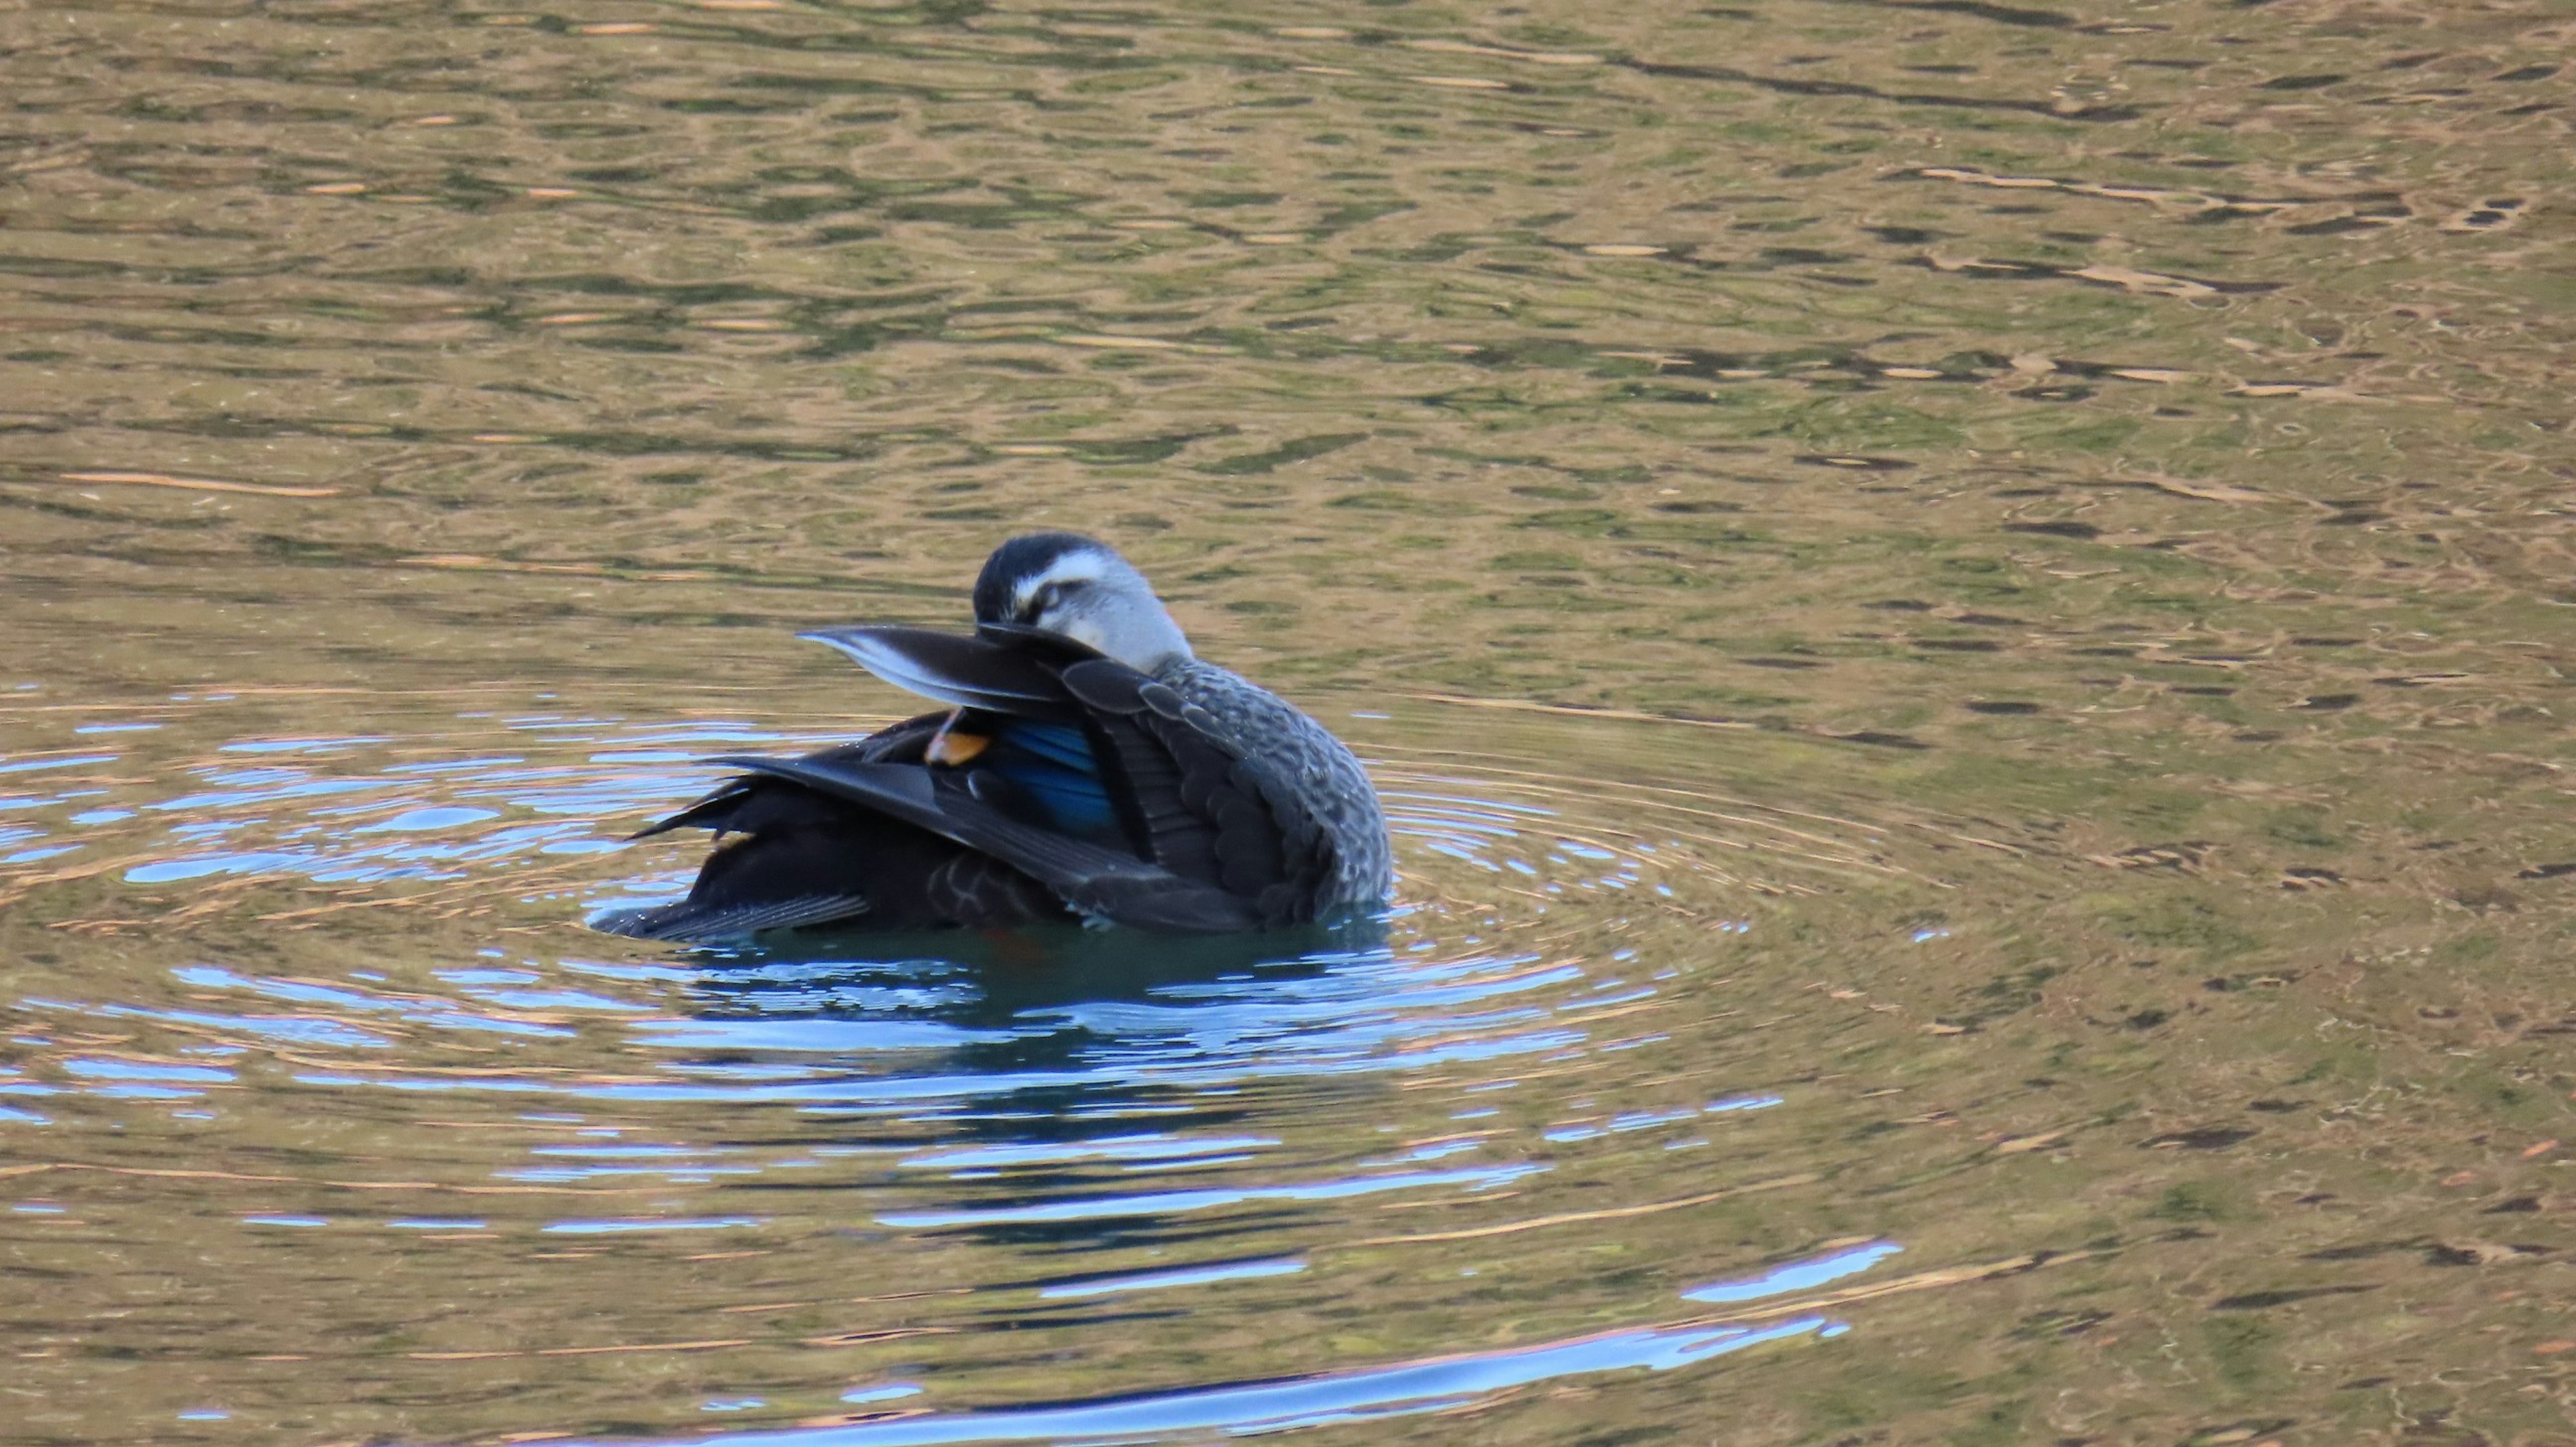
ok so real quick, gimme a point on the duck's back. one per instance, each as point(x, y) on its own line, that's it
point(1312, 779)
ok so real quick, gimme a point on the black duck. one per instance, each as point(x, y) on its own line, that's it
point(1088, 767)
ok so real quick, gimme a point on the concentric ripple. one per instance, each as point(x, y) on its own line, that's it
point(843, 1159)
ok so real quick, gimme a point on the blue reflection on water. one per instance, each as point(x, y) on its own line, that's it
point(1115, 1148)
point(129, 1070)
point(1401, 1390)
point(435, 817)
point(815, 1036)
point(1174, 1203)
point(29, 766)
point(888, 1392)
point(320, 812)
point(1178, 1276)
point(603, 1228)
point(211, 977)
point(1796, 1275)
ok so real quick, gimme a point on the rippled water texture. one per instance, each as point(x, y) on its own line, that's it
point(1963, 609)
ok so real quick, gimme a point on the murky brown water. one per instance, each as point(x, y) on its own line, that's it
point(1964, 608)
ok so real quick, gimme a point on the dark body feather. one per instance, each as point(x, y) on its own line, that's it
point(1063, 784)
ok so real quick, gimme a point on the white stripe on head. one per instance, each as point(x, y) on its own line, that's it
point(1081, 565)
point(1097, 598)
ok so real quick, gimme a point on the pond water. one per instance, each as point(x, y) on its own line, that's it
point(1962, 609)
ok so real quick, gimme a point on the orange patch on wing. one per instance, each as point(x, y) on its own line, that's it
point(953, 748)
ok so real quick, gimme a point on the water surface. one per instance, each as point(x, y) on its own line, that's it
point(1962, 610)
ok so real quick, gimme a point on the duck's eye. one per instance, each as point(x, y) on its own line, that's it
point(1045, 600)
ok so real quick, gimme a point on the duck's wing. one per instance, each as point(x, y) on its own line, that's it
point(785, 866)
point(1021, 726)
point(1094, 879)
point(978, 672)
point(1206, 800)
point(765, 880)
point(792, 857)
point(717, 811)
point(1085, 746)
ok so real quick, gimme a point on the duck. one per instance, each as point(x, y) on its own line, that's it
point(1086, 766)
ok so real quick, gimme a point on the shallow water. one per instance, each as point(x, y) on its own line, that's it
point(1962, 609)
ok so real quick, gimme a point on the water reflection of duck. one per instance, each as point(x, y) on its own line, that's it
point(1089, 766)
point(1051, 1016)
point(999, 979)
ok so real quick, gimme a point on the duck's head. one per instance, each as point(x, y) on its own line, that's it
point(1079, 587)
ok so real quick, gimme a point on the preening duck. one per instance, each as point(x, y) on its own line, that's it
point(1087, 767)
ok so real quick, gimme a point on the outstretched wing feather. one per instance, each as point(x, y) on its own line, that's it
point(690, 920)
point(709, 812)
point(717, 809)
